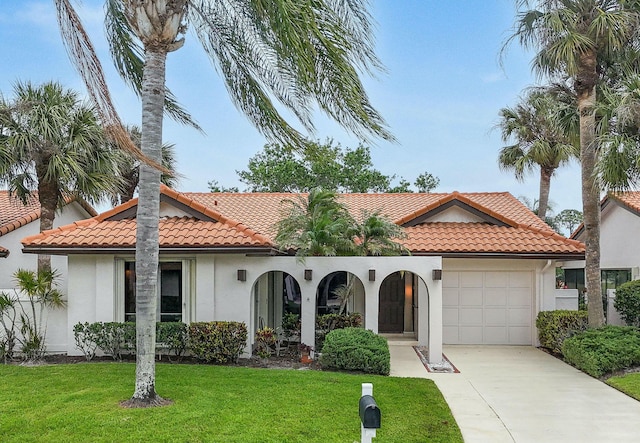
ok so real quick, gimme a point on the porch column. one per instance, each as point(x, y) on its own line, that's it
point(371, 305)
point(308, 313)
point(435, 322)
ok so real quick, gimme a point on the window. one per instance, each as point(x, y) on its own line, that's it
point(173, 290)
point(612, 278)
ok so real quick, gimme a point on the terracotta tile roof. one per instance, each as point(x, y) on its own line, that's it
point(3, 252)
point(519, 231)
point(480, 238)
point(175, 232)
point(14, 214)
point(630, 199)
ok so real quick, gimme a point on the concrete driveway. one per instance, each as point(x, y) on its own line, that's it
point(521, 394)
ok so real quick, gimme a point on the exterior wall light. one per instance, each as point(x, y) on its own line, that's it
point(242, 275)
point(372, 275)
point(436, 274)
point(308, 274)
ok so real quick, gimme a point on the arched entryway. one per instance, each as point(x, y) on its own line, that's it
point(275, 294)
point(398, 303)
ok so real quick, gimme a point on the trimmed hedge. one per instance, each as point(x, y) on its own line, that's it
point(217, 341)
point(116, 338)
point(554, 327)
point(356, 349)
point(601, 351)
point(627, 302)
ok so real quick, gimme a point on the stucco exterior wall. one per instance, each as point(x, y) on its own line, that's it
point(619, 239)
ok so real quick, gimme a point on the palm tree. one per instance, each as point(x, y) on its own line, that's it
point(302, 54)
point(619, 165)
point(129, 168)
point(53, 143)
point(318, 225)
point(539, 141)
point(575, 38)
point(375, 235)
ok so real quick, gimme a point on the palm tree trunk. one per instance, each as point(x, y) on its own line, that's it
point(543, 198)
point(585, 87)
point(147, 249)
point(48, 198)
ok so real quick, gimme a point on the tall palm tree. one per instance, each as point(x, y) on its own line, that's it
point(538, 141)
point(302, 54)
point(575, 38)
point(53, 143)
point(129, 168)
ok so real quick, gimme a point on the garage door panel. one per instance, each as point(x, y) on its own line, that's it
point(520, 297)
point(495, 297)
point(519, 279)
point(450, 297)
point(450, 334)
point(496, 280)
point(450, 316)
point(520, 317)
point(487, 307)
point(470, 316)
point(495, 317)
point(495, 335)
point(471, 279)
point(519, 335)
point(468, 335)
point(450, 280)
point(471, 297)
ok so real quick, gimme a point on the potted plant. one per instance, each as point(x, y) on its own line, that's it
point(306, 353)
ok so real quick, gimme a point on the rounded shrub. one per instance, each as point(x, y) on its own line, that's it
point(627, 302)
point(356, 349)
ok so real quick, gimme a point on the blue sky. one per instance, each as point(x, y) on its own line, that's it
point(441, 94)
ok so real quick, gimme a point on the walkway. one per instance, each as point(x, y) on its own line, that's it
point(521, 394)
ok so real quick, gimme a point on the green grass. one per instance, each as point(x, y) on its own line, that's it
point(629, 384)
point(214, 404)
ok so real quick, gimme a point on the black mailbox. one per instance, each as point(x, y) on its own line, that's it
point(369, 412)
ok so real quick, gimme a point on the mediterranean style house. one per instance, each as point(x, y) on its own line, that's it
point(481, 267)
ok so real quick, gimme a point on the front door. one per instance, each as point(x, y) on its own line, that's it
point(391, 312)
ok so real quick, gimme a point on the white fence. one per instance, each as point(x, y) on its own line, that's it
point(567, 299)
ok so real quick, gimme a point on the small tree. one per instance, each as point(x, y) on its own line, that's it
point(627, 302)
point(39, 289)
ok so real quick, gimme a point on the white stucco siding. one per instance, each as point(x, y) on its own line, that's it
point(494, 301)
point(619, 239)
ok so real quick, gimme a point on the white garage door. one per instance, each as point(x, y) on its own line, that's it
point(487, 307)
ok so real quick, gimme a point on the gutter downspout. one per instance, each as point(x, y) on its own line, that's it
point(541, 285)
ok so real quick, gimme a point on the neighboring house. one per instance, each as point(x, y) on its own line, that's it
point(481, 266)
point(619, 243)
point(17, 221)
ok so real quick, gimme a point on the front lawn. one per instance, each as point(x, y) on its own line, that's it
point(80, 402)
point(628, 383)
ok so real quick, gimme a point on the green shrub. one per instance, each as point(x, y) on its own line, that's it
point(554, 327)
point(601, 351)
point(265, 341)
point(172, 337)
point(114, 338)
point(627, 302)
point(328, 322)
point(218, 341)
point(86, 337)
point(356, 349)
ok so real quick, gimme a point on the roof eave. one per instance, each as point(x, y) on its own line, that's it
point(503, 255)
point(131, 250)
